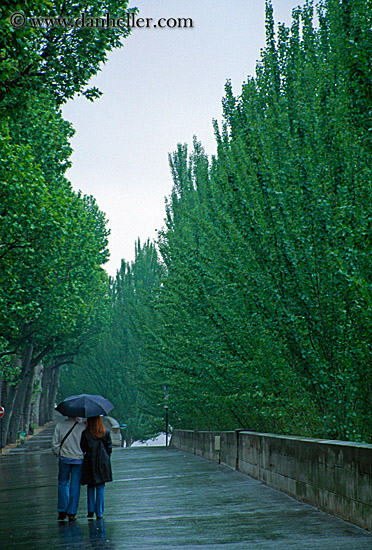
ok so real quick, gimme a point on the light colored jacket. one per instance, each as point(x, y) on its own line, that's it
point(71, 446)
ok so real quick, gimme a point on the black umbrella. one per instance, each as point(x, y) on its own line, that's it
point(84, 405)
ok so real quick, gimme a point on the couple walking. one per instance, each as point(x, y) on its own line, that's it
point(84, 451)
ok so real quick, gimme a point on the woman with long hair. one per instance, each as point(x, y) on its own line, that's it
point(97, 447)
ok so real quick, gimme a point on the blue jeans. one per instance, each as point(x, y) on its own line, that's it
point(96, 496)
point(69, 478)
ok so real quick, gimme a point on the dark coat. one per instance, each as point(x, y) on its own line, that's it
point(96, 464)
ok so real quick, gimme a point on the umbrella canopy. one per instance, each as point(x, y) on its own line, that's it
point(84, 405)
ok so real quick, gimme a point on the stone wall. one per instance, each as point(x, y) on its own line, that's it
point(335, 476)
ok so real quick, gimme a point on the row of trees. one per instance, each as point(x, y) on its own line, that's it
point(258, 313)
point(268, 249)
point(117, 365)
point(267, 298)
point(53, 241)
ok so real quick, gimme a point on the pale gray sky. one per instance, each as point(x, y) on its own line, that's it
point(160, 89)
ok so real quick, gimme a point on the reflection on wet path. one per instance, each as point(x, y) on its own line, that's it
point(73, 536)
point(164, 499)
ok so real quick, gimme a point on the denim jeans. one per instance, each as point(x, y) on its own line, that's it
point(69, 478)
point(96, 495)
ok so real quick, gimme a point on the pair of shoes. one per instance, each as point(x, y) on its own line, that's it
point(71, 517)
point(90, 515)
point(62, 516)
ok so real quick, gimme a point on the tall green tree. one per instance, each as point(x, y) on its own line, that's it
point(117, 365)
point(53, 241)
point(265, 306)
point(61, 58)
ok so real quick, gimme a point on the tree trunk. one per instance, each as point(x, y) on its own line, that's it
point(53, 387)
point(49, 386)
point(7, 400)
point(26, 416)
point(16, 418)
point(33, 418)
point(8, 395)
point(16, 414)
point(44, 401)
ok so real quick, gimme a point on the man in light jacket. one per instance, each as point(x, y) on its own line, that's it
point(66, 445)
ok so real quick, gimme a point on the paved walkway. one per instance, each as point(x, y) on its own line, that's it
point(161, 498)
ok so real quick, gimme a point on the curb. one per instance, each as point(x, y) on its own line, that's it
point(6, 450)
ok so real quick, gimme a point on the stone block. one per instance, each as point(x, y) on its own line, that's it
point(335, 476)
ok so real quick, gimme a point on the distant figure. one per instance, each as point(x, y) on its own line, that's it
point(97, 446)
point(66, 445)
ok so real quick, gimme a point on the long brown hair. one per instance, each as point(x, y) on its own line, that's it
point(96, 427)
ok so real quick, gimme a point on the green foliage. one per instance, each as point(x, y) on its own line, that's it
point(53, 241)
point(61, 59)
point(116, 366)
point(259, 315)
point(266, 304)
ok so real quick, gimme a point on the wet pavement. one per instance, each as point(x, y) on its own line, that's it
point(161, 498)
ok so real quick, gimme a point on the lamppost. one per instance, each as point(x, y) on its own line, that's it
point(165, 388)
point(2, 412)
point(166, 425)
point(122, 428)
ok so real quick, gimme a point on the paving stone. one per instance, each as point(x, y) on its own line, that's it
point(161, 498)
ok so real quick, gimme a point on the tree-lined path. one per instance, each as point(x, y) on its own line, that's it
point(161, 498)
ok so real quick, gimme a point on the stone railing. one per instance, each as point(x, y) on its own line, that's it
point(335, 476)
